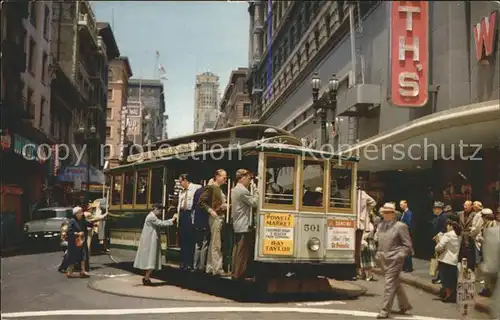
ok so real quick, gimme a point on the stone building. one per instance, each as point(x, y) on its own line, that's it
point(206, 101)
point(118, 78)
point(235, 102)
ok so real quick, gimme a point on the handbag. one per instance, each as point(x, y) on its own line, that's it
point(433, 267)
point(79, 241)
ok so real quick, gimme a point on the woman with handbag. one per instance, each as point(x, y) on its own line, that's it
point(369, 249)
point(77, 238)
point(447, 250)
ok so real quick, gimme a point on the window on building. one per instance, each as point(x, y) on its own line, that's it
point(45, 60)
point(307, 51)
point(31, 61)
point(108, 132)
point(128, 188)
point(110, 94)
point(33, 13)
point(46, 22)
point(109, 113)
point(42, 113)
point(328, 20)
point(299, 57)
point(30, 102)
point(116, 190)
point(156, 193)
point(246, 110)
point(110, 76)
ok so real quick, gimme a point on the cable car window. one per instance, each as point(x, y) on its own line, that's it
point(116, 190)
point(141, 189)
point(313, 183)
point(341, 185)
point(128, 188)
point(156, 195)
point(280, 180)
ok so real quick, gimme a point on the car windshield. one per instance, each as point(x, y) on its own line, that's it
point(47, 214)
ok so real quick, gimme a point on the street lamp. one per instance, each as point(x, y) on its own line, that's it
point(325, 103)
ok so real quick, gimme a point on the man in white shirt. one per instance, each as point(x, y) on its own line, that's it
point(185, 209)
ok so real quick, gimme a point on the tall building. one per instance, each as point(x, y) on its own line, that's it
point(206, 101)
point(235, 102)
point(147, 97)
point(394, 98)
point(118, 78)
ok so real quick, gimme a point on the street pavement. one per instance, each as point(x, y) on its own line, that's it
point(32, 288)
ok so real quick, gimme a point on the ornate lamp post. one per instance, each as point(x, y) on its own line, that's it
point(324, 104)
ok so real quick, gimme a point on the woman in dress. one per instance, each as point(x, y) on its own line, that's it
point(77, 238)
point(148, 256)
point(368, 249)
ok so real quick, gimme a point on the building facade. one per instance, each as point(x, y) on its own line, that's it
point(118, 78)
point(235, 102)
point(206, 101)
point(433, 94)
point(148, 122)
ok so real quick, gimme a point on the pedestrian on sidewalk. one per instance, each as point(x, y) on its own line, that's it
point(488, 222)
point(148, 256)
point(438, 228)
point(365, 204)
point(407, 218)
point(77, 241)
point(491, 267)
point(369, 249)
point(394, 245)
point(202, 231)
point(447, 250)
point(467, 247)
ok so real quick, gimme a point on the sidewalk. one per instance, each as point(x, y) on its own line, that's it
point(421, 279)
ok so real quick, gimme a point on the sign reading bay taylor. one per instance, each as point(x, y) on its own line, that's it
point(278, 234)
point(409, 53)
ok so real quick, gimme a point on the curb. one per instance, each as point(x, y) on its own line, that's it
point(430, 288)
point(91, 285)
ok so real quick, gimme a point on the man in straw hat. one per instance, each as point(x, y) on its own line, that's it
point(394, 246)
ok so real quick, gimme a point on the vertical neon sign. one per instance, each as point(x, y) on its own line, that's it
point(269, 46)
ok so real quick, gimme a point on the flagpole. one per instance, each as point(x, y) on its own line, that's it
point(157, 60)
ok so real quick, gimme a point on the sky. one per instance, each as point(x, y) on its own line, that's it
point(192, 37)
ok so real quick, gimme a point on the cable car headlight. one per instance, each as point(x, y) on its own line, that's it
point(314, 244)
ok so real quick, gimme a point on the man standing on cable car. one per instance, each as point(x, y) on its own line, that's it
point(186, 229)
point(243, 201)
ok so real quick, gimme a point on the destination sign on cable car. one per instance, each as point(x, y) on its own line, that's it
point(163, 152)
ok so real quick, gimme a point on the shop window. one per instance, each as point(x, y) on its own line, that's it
point(280, 180)
point(341, 185)
point(313, 182)
point(156, 193)
point(116, 190)
point(246, 110)
point(141, 190)
point(128, 188)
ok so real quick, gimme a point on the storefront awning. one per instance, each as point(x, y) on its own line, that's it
point(455, 133)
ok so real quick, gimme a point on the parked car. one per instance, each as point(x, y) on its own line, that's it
point(46, 223)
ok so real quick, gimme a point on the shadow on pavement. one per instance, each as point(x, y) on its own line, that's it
point(224, 287)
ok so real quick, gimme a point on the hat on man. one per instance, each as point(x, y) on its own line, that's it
point(158, 206)
point(487, 212)
point(453, 218)
point(388, 207)
point(438, 204)
point(76, 210)
point(448, 208)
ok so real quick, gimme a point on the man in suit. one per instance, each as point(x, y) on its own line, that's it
point(467, 248)
point(394, 246)
point(202, 231)
point(407, 218)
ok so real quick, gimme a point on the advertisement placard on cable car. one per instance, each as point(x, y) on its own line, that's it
point(163, 152)
point(341, 234)
point(278, 234)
